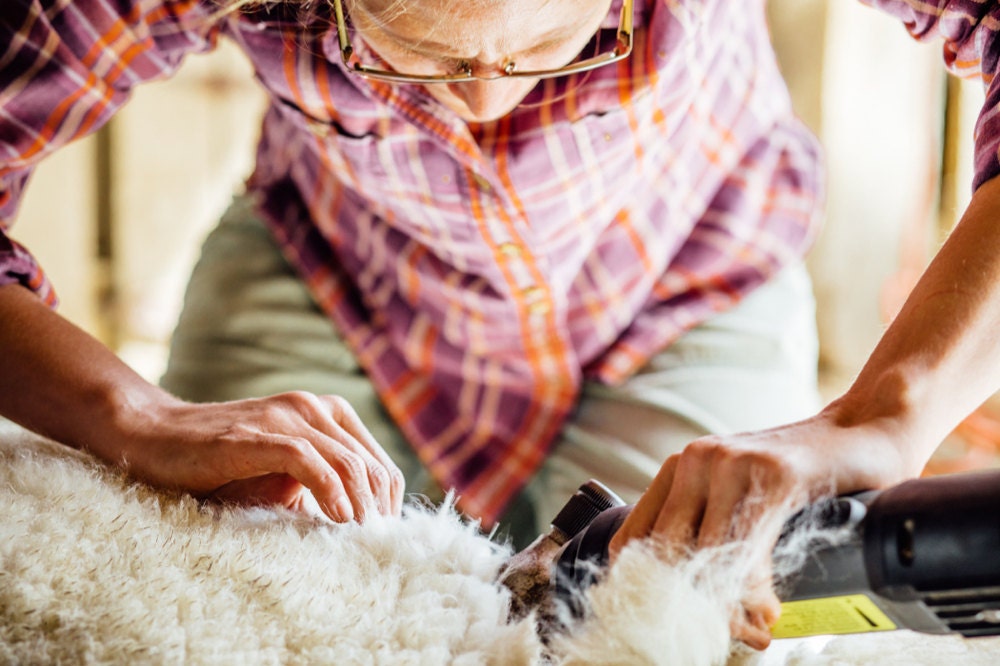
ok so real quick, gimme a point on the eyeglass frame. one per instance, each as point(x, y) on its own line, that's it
point(622, 50)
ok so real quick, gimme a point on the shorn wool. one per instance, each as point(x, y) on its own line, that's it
point(95, 569)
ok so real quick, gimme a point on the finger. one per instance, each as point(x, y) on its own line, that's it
point(298, 458)
point(760, 597)
point(735, 510)
point(352, 464)
point(682, 512)
point(754, 627)
point(640, 521)
point(356, 476)
point(770, 610)
point(365, 478)
point(760, 607)
point(725, 497)
point(279, 489)
point(387, 483)
point(752, 630)
point(369, 480)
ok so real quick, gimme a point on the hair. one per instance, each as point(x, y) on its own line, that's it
point(305, 10)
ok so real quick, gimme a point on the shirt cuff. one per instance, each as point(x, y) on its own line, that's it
point(17, 266)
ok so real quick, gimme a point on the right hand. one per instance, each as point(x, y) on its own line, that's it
point(741, 488)
point(60, 382)
point(262, 450)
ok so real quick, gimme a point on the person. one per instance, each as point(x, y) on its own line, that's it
point(553, 243)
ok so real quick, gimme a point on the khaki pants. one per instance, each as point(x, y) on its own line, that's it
point(250, 328)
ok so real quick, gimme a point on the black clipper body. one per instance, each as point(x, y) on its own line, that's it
point(923, 555)
point(529, 574)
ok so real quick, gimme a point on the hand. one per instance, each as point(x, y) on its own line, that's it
point(742, 488)
point(935, 363)
point(60, 382)
point(265, 450)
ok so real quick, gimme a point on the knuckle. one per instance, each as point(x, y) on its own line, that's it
point(351, 466)
point(296, 447)
point(329, 478)
point(774, 468)
point(295, 396)
point(272, 411)
point(396, 479)
point(340, 407)
point(379, 475)
point(301, 401)
point(705, 447)
point(704, 452)
point(772, 475)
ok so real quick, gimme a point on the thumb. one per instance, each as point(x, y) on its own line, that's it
point(760, 608)
point(280, 489)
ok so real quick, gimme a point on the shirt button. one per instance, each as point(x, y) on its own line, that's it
point(509, 249)
point(533, 293)
point(534, 296)
point(481, 182)
point(317, 128)
point(539, 308)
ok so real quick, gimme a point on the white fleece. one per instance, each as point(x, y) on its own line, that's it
point(94, 569)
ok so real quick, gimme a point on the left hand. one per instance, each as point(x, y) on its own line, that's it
point(743, 487)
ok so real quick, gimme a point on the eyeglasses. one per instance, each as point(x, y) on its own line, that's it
point(622, 49)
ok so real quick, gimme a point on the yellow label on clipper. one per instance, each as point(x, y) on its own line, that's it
point(850, 614)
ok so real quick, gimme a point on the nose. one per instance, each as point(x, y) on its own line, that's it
point(488, 100)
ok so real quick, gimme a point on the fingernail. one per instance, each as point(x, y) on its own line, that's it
point(344, 509)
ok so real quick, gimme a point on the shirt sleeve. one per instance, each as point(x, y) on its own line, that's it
point(66, 66)
point(971, 50)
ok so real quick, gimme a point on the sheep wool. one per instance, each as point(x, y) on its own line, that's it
point(95, 569)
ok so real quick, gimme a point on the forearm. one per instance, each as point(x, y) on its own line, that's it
point(60, 382)
point(57, 380)
point(940, 357)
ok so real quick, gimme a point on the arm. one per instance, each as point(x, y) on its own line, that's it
point(62, 76)
point(58, 381)
point(937, 362)
point(940, 358)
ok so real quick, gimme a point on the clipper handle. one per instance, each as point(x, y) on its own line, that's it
point(587, 553)
point(528, 574)
point(925, 553)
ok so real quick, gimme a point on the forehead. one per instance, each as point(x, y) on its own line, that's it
point(467, 23)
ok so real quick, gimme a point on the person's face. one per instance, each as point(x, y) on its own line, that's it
point(440, 36)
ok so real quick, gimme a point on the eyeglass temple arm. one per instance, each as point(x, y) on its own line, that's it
point(345, 45)
point(625, 25)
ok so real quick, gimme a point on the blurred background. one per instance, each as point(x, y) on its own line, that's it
point(117, 219)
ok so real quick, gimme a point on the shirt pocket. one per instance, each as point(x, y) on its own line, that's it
point(349, 144)
point(616, 139)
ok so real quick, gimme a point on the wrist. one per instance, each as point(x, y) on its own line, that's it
point(891, 407)
point(125, 412)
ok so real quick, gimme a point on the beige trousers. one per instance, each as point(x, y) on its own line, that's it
point(250, 328)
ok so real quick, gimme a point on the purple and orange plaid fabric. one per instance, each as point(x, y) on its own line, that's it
point(479, 272)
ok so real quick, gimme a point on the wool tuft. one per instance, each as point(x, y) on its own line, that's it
point(96, 569)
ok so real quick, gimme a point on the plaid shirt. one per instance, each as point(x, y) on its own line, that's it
point(480, 272)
